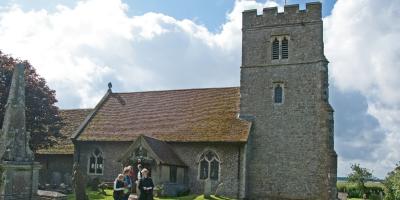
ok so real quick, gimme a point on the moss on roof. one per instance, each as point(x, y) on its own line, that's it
point(191, 115)
point(71, 120)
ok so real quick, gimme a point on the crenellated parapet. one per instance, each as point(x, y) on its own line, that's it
point(291, 15)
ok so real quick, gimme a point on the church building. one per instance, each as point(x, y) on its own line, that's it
point(269, 138)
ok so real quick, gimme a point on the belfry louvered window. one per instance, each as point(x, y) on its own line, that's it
point(275, 49)
point(280, 47)
point(285, 48)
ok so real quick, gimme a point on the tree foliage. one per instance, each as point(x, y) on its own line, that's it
point(42, 115)
point(359, 176)
point(392, 184)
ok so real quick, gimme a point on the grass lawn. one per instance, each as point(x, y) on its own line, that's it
point(94, 195)
point(194, 197)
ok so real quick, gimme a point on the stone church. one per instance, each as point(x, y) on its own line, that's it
point(270, 138)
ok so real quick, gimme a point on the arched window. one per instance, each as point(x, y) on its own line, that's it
point(278, 93)
point(209, 165)
point(275, 49)
point(285, 48)
point(96, 162)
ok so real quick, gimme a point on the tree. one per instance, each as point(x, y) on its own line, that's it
point(359, 176)
point(42, 115)
point(392, 184)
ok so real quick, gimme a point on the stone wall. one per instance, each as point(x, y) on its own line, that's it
point(56, 169)
point(111, 151)
point(290, 151)
point(230, 170)
point(229, 153)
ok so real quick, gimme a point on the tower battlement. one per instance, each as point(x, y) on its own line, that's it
point(291, 15)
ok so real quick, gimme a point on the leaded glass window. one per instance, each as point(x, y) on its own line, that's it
point(209, 166)
point(96, 162)
point(278, 94)
point(203, 169)
point(214, 172)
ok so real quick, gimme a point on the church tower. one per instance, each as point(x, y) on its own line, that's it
point(284, 92)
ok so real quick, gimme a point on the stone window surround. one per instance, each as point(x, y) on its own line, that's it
point(209, 171)
point(280, 38)
point(88, 163)
point(274, 85)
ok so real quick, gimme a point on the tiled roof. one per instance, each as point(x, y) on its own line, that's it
point(71, 120)
point(191, 115)
point(162, 151)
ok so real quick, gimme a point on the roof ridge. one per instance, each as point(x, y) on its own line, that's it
point(183, 89)
point(72, 109)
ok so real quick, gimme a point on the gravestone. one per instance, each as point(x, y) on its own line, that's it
point(207, 188)
point(20, 176)
point(56, 178)
point(67, 179)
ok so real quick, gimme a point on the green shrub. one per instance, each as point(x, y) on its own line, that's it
point(372, 190)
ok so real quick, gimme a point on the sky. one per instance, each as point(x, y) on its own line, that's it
point(79, 46)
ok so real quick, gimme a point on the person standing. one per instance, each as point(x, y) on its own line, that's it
point(128, 183)
point(132, 175)
point(119, 187)
point(138, 177)
point(146, 186)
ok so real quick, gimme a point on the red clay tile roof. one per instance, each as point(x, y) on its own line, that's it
point(191, 115)
point(71, 120)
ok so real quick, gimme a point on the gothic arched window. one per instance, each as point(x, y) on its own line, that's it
point(96, 162)
point(209, 166)
point(275, 49)
point(278, 93)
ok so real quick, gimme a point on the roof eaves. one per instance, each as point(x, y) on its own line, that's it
point(90, 116)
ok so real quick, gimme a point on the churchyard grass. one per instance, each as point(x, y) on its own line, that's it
point(94, 195)
point(195, 197)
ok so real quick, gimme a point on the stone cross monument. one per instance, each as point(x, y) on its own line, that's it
point(19, 179)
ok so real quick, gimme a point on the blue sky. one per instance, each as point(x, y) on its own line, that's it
point(79, 46)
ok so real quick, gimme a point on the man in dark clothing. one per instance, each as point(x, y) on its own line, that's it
point(146, 186)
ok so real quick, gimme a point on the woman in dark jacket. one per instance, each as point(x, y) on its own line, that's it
point(119, 186)
point(146, 186)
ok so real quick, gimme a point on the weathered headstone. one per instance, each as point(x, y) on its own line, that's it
point(67, 179)
point(56, 178)
point(20, 172)
point(207, 188)
point(78, 183)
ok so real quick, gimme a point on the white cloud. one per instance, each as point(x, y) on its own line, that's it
point(79, 49)
point(361, 43)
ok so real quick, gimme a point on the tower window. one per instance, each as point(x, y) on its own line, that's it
point(278, 93)
point(275, 49)
point(285, 48)
point(280, 47)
